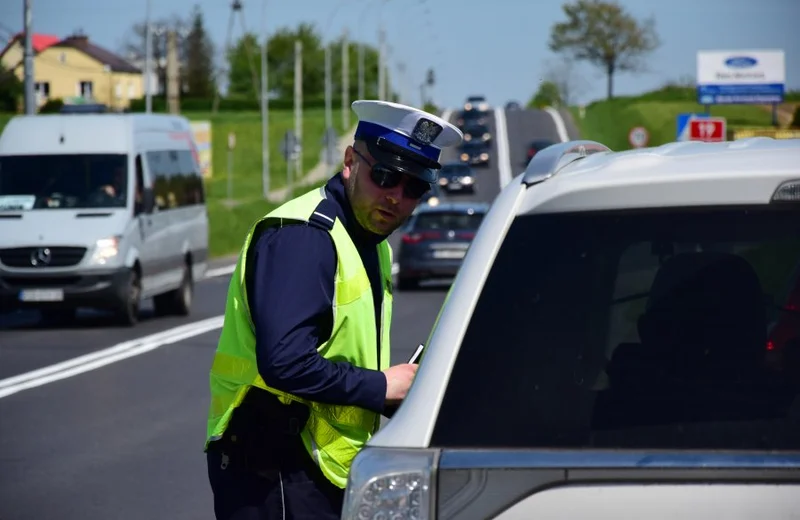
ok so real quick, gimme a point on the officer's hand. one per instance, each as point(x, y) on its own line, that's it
point(398, 381)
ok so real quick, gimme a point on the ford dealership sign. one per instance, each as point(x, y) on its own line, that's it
point(745, 77)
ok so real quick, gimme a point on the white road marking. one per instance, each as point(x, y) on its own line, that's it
point(561, 128)
point(220, 271)
point(118, 352)
point(447, 114)
point(395, 268)
point(503, 154)
point(101, 358)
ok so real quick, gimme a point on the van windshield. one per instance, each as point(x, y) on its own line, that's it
point(30, 182)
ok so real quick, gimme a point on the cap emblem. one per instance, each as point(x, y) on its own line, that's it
point(426, 131)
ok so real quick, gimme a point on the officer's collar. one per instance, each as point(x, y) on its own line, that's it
point(336, 189)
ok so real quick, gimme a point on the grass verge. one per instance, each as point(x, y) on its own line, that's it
point(610, 121)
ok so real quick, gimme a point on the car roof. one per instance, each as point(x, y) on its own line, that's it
point(458, 207)
point(586, 175)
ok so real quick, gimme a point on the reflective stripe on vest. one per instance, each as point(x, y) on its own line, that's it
point(334, 434)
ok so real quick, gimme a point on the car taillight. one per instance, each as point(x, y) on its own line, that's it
point(390, 483)
point(531, 153)
point(416, 238)
point(466, 235)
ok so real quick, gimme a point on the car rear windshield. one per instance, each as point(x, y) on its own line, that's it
point(63, 181)
point(448, 220)
point(648, 329)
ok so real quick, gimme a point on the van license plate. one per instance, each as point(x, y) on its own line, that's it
point(42, 295)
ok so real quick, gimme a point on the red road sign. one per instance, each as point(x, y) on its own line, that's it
point(709, 129)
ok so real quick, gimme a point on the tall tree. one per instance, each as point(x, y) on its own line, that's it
point(11, 90)
point(547, 95)
point(280, 57)
point(604, 34)
point(198, 72)
point(244, 65)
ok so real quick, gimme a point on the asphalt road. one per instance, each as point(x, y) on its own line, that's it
point(121, 435)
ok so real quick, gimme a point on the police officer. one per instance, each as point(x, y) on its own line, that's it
point(301, 374)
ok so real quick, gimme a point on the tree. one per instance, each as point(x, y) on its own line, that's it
point(547, 95)
point(244, 67)
point(604, 34)
point(198, 73)
point(244, 64)
point(11, 90)
point(280, 56)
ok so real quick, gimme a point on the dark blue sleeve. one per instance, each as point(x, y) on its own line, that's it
point(292, 282)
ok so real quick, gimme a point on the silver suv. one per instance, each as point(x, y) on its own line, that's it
point(622, 341)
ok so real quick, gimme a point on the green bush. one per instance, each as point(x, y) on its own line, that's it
point(52, 106)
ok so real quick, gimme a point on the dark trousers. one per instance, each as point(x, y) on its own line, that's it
point(297, 491)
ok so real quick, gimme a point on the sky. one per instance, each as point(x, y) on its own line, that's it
point(494, 48)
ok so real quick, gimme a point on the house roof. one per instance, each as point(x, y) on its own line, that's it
point(82, 43)
point(39, 43)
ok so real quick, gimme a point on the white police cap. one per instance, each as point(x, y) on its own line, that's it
point(405, 131)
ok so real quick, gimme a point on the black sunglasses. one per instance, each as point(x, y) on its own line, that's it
point(387, 178)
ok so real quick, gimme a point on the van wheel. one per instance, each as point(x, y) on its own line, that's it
point(128, 313)
point(178, 301)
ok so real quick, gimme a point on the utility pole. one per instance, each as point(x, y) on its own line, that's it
point(264, 103)
point(401, 82)
point(361, 70)
point(30, 98)
point(328, 115)
point(298, 104)
point(381, 62)
point(173, 75)
point(148, 62)
point(345, 81)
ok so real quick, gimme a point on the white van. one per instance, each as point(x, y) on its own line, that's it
point(102, 211)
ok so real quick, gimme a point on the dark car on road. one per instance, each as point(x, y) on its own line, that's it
point(457, 178)
point(476, 132)
point(472, 116)
point(535, 147)
point(474, 153)
point(476, 103)
point(435, 241)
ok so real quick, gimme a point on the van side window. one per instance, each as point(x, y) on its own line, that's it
point(176, 180)
point(157, 162)
point(193, 187)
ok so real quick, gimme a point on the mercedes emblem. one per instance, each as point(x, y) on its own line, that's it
point(41, 256)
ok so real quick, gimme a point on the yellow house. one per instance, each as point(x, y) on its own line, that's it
point(76, 71)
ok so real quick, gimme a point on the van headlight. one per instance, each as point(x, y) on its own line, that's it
point(484, 157)
point(105, 249)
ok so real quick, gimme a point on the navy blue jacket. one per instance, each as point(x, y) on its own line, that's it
point(290, 281)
